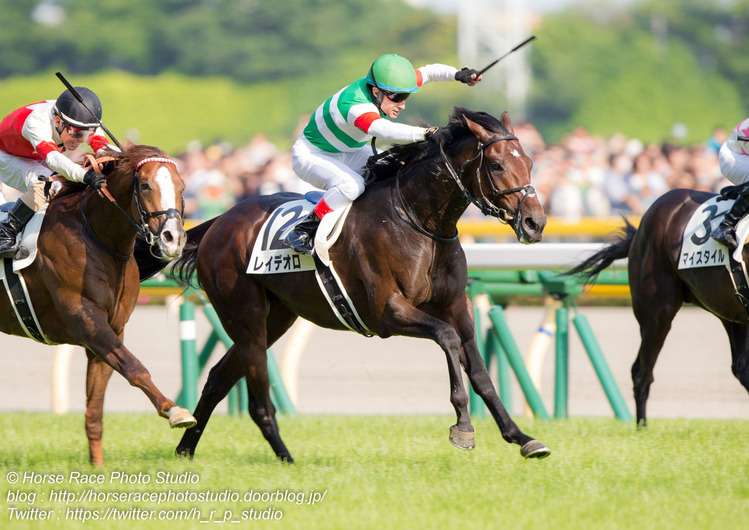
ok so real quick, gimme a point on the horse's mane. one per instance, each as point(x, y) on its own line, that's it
point(401, 156)
point(124, 161)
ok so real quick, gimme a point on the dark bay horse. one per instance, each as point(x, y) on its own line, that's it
point(398, 257)
point(659, 287)
point(83, 283)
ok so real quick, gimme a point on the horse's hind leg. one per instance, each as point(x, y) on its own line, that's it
point(261, 407)
point(246, 358)
point(97, 376)
point(655, 305)
point(221, 378)
point(738, 334)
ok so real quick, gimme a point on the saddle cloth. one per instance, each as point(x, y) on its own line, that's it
point(271, 256)
point(698, 249)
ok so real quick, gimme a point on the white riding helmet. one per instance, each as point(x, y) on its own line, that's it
point(738, 140)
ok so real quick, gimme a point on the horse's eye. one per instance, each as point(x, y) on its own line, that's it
point(144, 186)
point(496, 166)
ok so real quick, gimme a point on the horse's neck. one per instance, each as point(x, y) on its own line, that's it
point(108, 223)
point(434, 198)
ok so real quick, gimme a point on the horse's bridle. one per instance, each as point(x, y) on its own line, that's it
point(143, 215)
point(486, 206)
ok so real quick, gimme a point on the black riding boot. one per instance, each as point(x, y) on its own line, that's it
point(302, 237)
point(18, 216)
point(726, 231)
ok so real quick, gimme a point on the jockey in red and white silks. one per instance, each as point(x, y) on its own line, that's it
point(33, 140)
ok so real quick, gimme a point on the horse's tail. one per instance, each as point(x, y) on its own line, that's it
point(618, 249)
point(183, 267)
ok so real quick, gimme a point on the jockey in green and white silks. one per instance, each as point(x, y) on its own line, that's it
point(333, 149)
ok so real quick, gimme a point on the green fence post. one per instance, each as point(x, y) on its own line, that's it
point(601, 367)
point(232, 400)
point(476, 403)
point(205, 353)
point(503, 368)
point(188, 336)
point(283, 401)
point(502, 332)
point(561, 377)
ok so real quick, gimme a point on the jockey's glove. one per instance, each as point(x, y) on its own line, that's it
point(465, 75)
point(438, 135)
point(95, 180)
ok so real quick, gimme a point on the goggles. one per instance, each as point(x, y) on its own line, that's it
point(78, 134)
point(396, 97)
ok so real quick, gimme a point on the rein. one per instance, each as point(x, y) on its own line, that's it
point(486, 206)
point(143, 216)
point(412, 221)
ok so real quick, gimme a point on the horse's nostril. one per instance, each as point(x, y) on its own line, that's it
point(531, 224)
point(167, 237)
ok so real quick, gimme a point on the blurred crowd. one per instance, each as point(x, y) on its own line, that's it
point(582, 176)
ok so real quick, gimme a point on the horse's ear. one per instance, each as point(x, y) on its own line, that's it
point(482, 134)
point(506, 123)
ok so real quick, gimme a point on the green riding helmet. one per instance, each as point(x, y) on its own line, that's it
point(393, 73)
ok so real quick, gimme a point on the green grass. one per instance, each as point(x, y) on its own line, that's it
point(387, 472)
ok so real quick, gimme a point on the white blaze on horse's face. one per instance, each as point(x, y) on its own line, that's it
point(172, 236)
point(515, 153)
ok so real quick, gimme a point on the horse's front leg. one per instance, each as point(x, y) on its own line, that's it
point(97, 376)
point(402, 318)
point(100, 338)
point(482, 384)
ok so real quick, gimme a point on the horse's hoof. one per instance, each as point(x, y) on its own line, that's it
point(462, 439)
point(184, 453)
point(534, 449)
point(181, 418)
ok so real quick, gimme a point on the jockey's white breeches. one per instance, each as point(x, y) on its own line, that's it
point(340, 174)
point(23, 174)
point(734, 166)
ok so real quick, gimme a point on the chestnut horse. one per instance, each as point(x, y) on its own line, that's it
point(659, 288)
point(398, 258)
point(83, 283)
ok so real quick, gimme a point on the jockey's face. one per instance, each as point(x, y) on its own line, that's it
point(70, 136)
point(390, 108)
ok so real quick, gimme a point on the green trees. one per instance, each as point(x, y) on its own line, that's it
point(639, 69)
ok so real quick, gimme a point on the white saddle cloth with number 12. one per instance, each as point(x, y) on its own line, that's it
point(271, 256)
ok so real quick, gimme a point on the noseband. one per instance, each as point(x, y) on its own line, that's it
point(143, 215)
point(484, 204)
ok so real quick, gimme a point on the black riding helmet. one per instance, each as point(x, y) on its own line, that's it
point(74, 113)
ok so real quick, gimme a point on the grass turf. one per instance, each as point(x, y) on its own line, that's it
point(385, 472)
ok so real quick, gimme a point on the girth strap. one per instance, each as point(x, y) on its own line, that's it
point(16, 288)
point(339, 301)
